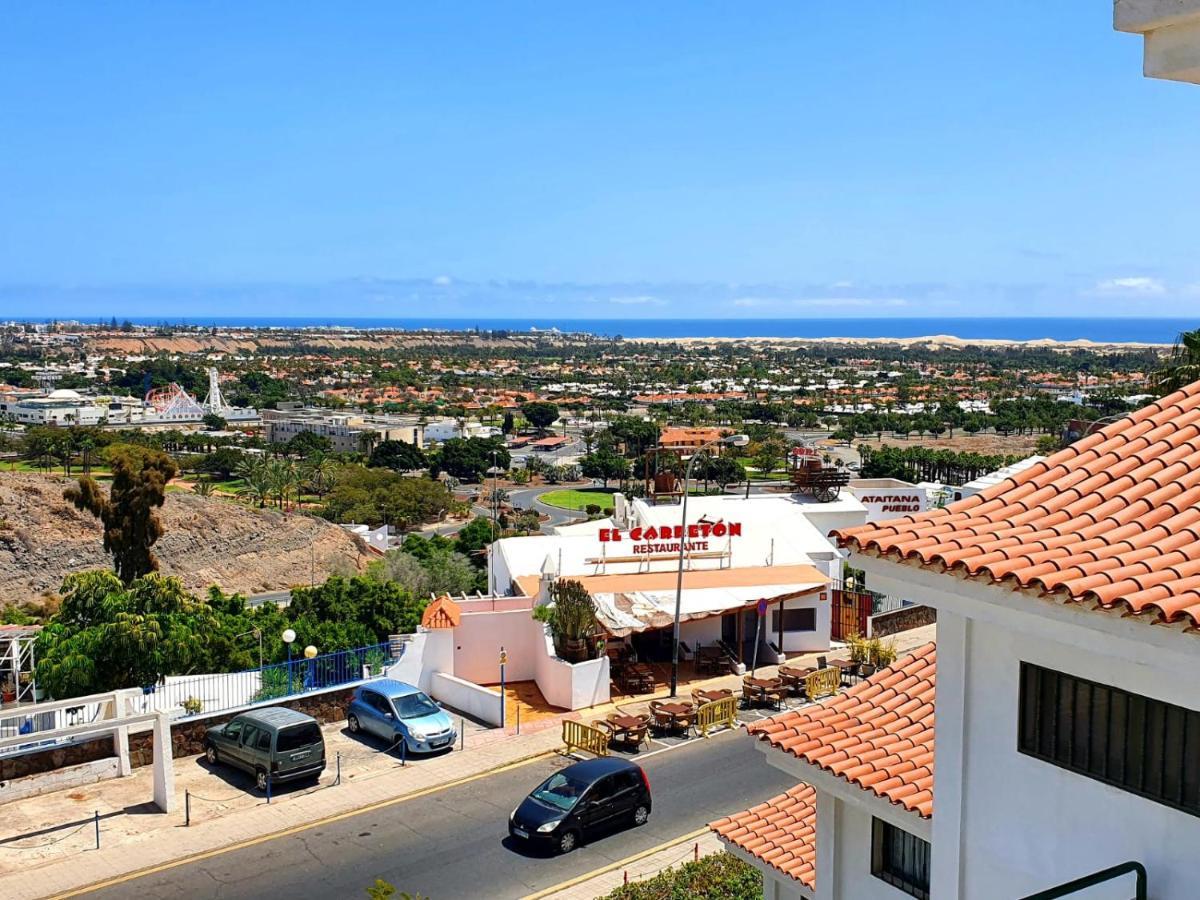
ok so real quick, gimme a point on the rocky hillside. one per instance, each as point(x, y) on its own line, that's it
point(207, 541)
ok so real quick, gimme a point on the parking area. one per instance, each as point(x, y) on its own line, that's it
point(63, 822)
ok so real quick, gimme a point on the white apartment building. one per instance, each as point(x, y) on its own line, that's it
point(1067, 722)
point(344, 430)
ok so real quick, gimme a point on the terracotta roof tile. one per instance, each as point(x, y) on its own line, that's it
point(781, 832)
point(1111, 521)
point(877, 735)
point(441, 613)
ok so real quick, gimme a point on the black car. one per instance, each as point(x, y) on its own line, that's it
point(590, 795)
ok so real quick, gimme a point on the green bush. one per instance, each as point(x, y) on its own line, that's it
point(716, 877)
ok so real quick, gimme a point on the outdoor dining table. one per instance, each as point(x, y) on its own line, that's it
point(762, 689)
point(847, 666)
point(637, 677)
point(627, 729)
point(793, 677)
point(673, 715)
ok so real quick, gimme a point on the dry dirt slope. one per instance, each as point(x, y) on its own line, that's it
point(207, 541)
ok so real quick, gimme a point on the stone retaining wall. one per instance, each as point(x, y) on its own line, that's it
point(905, 618)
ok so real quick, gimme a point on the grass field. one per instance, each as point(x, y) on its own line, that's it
point(579, 499)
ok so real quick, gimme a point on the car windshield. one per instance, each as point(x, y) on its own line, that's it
point(297, 736)
point(414, 706)
point(560, 791)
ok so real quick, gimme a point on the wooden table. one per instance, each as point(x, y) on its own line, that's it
point(794, 678)
point(761, 689)
point(627, 729)
point(673, 715)
point(847, 666)
point(639, 677)
point(708, 659)
point(712, 695)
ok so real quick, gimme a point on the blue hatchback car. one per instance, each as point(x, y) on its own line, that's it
point(398, 712)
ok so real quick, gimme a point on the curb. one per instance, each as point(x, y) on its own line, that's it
point(629, 860)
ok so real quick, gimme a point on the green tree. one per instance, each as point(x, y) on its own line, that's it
point(605, 464)
point(307, 444)
point(470, 458)
point(473, 538)
point(400, 456)
point(109, 634)
point(131, 525)
point(214, 422)
point(540, 414)
point(509, 425)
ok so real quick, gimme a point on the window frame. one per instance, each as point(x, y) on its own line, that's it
point(789, 613)
point(1128, 741)
point(883, 833)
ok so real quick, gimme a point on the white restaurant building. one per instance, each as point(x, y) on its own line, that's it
point(741, 555)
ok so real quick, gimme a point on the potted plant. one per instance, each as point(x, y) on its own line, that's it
point(8, 691)
point(860, 651)
point(192, 705)
point(882, 654)
point(572, 619)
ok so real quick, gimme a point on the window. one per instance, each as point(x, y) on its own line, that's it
point(233, 730)
point(264, 740)
point(249, 735)
point(298, 737)
point(804, 619)
point(899, 858)
point(1135, 743)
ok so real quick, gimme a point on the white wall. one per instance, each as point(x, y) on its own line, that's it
point(853, 857)
point(477, 702)
point(571, 685)
point(1028, 825)
point(806, 641)
point(479, 637)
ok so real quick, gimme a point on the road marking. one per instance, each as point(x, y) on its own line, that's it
point(296, 829)
point(627, 861)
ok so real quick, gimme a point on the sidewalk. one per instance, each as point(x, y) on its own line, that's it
point(135, 837)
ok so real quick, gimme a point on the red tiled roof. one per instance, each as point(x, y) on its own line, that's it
point(781, 832)
point(441, 613)
point(877, 735)
point(1113, 520)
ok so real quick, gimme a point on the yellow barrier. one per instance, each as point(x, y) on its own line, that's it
point(823, 682)
point(577, 736)
point(715, 714)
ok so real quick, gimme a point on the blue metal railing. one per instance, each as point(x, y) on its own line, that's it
point(194, 695)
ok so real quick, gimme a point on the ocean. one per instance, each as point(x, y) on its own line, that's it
point(1131, 330)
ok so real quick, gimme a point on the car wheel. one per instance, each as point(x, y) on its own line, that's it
point(641, 815)
point(567, 841)
point(352, 724)
point(210, 754)
point(260, 779)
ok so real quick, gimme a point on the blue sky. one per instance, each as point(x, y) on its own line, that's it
point(658, 160)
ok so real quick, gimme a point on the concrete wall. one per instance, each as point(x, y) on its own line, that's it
point(853, 849)
point(808, 641)
point(60, 779)
point(1028, 825)
point(479, 637)
point(477, 702)
point(567, 685)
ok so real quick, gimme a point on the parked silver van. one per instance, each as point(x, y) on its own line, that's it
point(274, 744)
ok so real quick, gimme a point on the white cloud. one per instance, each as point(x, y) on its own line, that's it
point(747, 302)
point(851, 301)
point(442, 280)
point(841, 285)
point(641, 300)
point(1137, 284)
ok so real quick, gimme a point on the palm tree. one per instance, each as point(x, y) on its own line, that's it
point(318, 473)
point(282, 477)
point(1183, 367)
point(256, 479)
point(367, 441)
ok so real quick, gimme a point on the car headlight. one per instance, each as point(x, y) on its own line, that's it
point(548, 827)
point(416, 734)
point(512, 815)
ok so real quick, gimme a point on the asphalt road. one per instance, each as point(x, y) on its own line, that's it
point(454, 844)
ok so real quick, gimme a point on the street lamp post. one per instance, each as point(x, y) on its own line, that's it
point(289, 638)
point(732, 440)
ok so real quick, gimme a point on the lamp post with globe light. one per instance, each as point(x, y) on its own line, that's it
point(730, 440)
point(289, 638)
